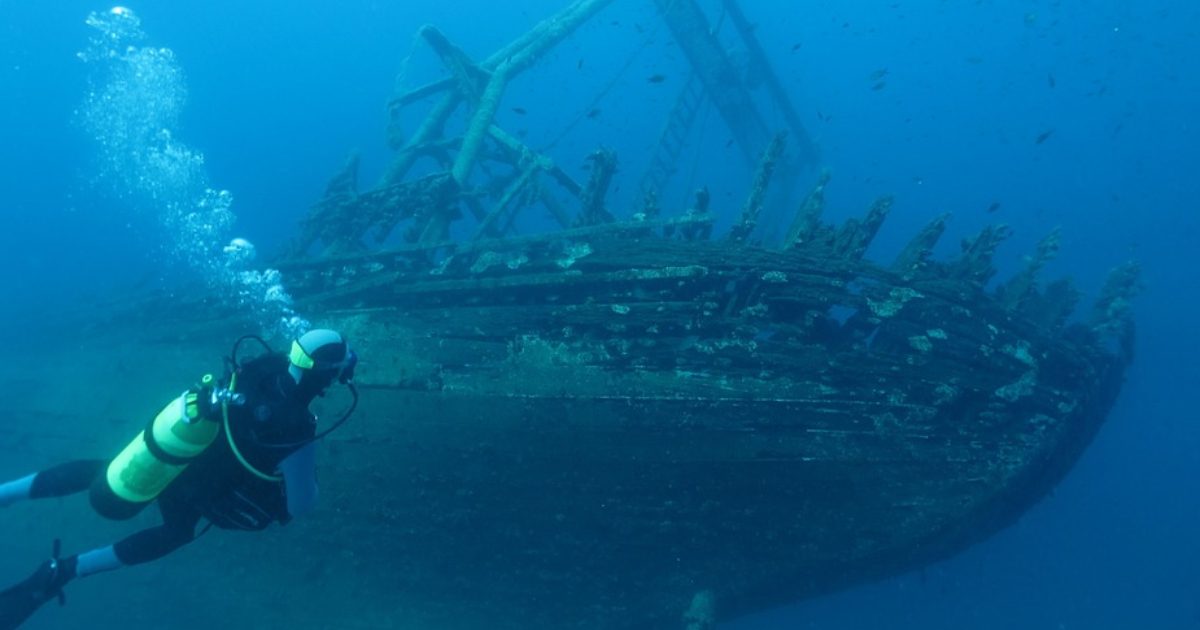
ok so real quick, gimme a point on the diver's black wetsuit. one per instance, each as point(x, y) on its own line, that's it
point(271, 425)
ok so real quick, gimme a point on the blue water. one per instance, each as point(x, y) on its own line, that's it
point(279, 92)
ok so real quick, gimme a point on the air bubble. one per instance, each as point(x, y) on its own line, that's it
point(132, 112)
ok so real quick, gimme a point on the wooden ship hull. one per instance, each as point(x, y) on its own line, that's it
point(666, 423)
point(631, 424)
point(609, 428)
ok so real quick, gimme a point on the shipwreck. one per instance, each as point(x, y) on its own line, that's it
point(639, 419)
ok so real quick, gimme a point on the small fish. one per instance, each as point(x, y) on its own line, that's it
point(823, 117)
point(1044, 136)
point(879, 74)
point(579, 66)
point(879, 86)
point(656, 78)
point(974, 60)
point(593, 113)
point(796, 46)
point(1050, 81)
point(729, 144)
point(520, 111)
point(994, 207)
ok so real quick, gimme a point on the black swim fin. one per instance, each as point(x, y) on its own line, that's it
point(18, 603)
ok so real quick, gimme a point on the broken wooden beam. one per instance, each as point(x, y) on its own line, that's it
point(504, 205)
point(430, 130)
point(855, 235)
point(555, 207)
point(808, 218)
point(650, 206)
point(467, 75)
point(520, 152)
point(758, 192)
point(536, 42)
point(384, 208)
point(1017, 291)
point(914, 258)
point(604, 165)
point(699, 223)
point(1112, 315)
point(974, 265)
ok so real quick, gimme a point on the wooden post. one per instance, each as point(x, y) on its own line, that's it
point(466, 74)
point(975, 263)
point(808, 219)
point(915, 256)
point(510, 194)
point(604, 164)
point(1021, 286)
point(762, 179)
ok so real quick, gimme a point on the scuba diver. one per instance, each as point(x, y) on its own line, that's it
point(239, 453)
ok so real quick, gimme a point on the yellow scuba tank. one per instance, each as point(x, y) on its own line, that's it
point(175, 437)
